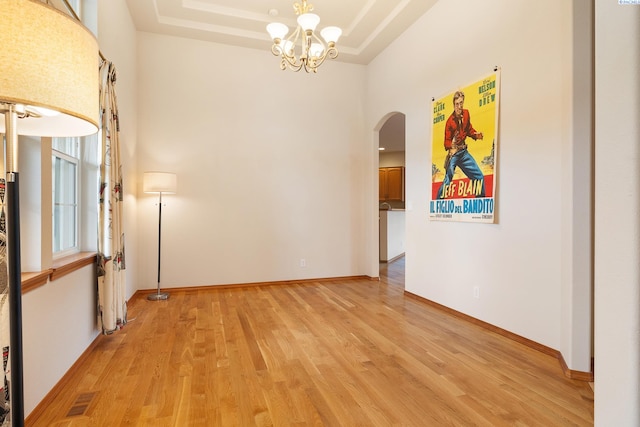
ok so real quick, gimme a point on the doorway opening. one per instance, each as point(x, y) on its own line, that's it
point(391, 190)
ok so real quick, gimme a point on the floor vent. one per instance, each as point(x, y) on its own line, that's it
point(81, 404)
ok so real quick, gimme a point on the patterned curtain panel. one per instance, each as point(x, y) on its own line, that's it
point(112, 304)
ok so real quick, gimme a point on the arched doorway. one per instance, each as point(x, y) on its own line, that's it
point(391, 189)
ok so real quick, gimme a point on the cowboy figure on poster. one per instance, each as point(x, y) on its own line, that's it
point(464, 124)
point(457, 129)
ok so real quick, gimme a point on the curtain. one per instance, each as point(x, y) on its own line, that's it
point(112, 304)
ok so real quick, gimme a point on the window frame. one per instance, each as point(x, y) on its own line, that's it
point(76, 161)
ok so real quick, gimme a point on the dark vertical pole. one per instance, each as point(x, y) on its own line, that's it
point(159, 237)
point(158, 296)
point(15, 300)
point(15, 274)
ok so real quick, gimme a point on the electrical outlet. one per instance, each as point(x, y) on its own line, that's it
point(303, 262)
point(476, 292)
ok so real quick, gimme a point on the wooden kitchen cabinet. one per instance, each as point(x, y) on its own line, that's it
point(391, 187)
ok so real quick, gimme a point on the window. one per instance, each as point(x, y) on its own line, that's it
point(75, 5)
point(65, 172)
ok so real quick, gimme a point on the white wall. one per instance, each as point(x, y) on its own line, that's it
point(392, 234)
point(517, 263)
point(617, 249)
point(59, 323)
point(576, 188)
point(269, 165)
point(34, 235)
point(394, 158)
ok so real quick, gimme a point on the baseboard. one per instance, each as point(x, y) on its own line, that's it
point(574, 375)
point(392, 259)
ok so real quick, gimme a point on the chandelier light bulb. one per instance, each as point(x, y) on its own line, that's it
point(331, 34)
point(277, 30)
point(308, 21)
point(287, 47)
point(316, 50)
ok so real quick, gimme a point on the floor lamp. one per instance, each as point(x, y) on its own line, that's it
point(49, 86)
point(159, 183)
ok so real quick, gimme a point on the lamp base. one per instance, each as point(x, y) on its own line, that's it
point(160, 296)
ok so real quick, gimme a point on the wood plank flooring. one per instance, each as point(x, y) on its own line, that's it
point(340, 353)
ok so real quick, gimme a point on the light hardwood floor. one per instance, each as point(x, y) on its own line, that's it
point(335, 353)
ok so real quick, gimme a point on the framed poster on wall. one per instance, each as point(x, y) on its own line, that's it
point(464, 142)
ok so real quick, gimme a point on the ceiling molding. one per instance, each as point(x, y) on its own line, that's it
point(368, 26)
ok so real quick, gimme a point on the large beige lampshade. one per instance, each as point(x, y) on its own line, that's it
point(160, 182)
point(49, 60)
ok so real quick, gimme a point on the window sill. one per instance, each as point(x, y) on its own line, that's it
point(61, 267)
point(31, 281)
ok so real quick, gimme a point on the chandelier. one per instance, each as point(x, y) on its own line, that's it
point(303, 48)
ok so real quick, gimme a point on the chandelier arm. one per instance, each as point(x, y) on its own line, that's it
point(288, 57)
point(297, 63)
point(317, 60)
point(331, 53)
point(296, 69)
point(318, 39)
point(306, 46)
point(292, 41)
point(291, 62)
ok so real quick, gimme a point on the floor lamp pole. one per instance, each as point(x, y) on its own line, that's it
point(12, 203)
point(159, 295)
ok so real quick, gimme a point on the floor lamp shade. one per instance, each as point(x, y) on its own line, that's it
point(160, 182)
point(48, 61)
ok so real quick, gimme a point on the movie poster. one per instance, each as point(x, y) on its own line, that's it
point(464, 144)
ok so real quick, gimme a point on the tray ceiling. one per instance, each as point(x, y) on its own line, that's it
point(368, 25)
